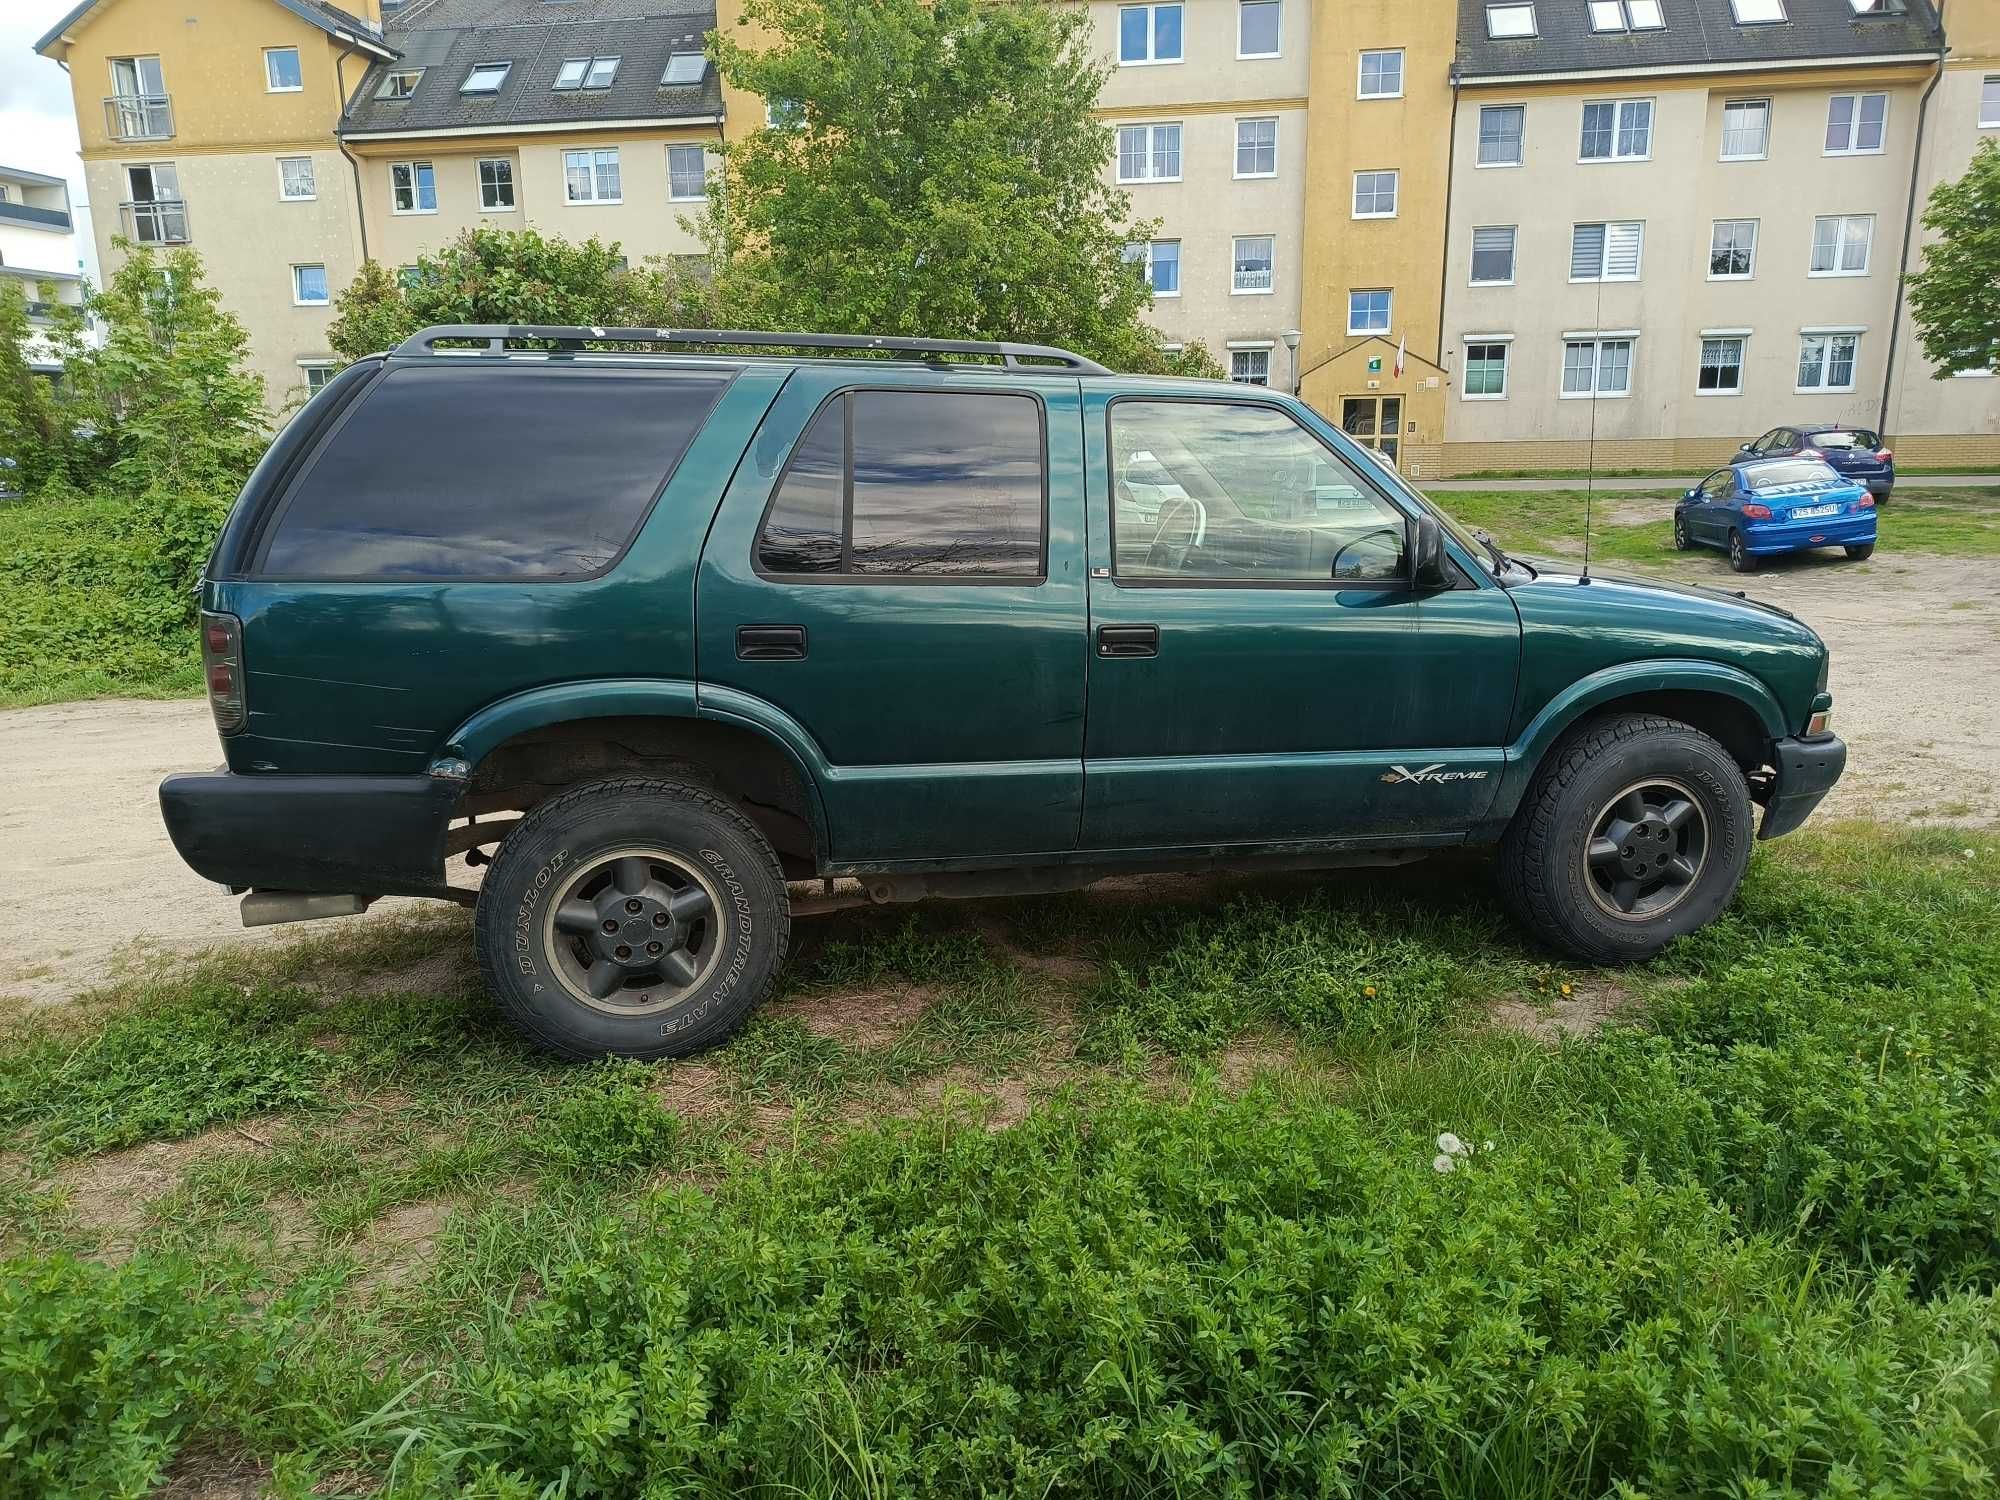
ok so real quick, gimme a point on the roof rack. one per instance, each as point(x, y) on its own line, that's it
point(569, 340)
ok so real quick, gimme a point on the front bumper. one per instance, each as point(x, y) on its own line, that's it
point(1806, 770)
point(341, 835)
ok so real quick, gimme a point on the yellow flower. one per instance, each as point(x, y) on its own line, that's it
point(1565, 990)
point(1368, 990)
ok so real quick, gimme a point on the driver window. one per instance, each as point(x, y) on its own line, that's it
point(1227, 491)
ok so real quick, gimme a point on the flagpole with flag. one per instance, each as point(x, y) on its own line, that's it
point(1401, 342)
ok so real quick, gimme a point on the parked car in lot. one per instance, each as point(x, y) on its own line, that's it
point(1854, 452)
point(1768, 507)
point(651, 635)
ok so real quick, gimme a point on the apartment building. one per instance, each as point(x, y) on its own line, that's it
point(38, 249)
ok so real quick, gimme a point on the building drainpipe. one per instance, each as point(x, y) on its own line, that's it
point(353, 166)
point(1444, 261)
point(1909, 229)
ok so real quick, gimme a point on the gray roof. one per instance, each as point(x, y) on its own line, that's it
point(331, 19)
point(447, 37)
point(1698, 33)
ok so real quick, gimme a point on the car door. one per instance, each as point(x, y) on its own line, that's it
point(1262, 672)
point(896, 574)
point(1706, 516)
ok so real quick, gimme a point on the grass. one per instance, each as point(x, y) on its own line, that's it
point(310, 1215)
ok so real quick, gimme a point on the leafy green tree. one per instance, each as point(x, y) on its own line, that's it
point(1955, 295)
point(35, 426)
point(514, 276)
point(936, 169)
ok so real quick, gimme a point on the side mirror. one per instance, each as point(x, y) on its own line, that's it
point(1746, 447)
point(1427, 553)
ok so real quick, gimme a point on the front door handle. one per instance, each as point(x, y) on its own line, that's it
point(1128, 640)
point(770, 642)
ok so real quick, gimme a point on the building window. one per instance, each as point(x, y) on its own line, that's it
point(496, 183)
point(1250, 366)
point(1606, 252)
point(1500, 130)
point(1732, 250)
point(1826, 361)
point(1758, 12)
point(1257, 28)
point(687, 173)
point(412, 187)
point(1721, 367)
point(1746, 129)
point(1485, 370)
point(1257, 148)
point(1493, 255)
point(309, 286)
point(684, 68)
point(1626, 15)
point(281, 71)
point(295, 179)
point(1617, 130)
point(1597, 367)
point(1149, 153)
point(1841, 243)
point(1989, 103)
point(1251, 258)
point(1854, 124)
point(399, 84)
point(485, 78)
point(1149, 34)
point(138, 109)
point(1375, 195)
point(408, 277)
point(317, 373)
point(784, 114)
point(1159, 265)
point(1880, 7)
point(1381, 74)
point(1505, 21)
point(587, 73)
point(592, 176)
point(1368, 312)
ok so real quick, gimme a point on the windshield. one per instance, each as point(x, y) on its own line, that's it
point(1784, 475)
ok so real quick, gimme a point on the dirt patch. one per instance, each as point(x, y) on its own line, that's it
point(111, 1194)
point(201, 1474)
point(396, 1246)
point(1243, 1062)
point(1579, 1015)
point(864, 1019)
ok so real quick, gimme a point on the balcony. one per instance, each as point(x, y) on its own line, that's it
point(139, 117)
point(161, 221)
point(33, 217)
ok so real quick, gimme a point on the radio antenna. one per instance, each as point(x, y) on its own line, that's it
point(1590, 459)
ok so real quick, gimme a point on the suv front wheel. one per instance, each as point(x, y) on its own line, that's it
point(637, 918)
point(1636, 830)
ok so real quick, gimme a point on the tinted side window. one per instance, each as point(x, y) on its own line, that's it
point(470, 473)
point(933, 484)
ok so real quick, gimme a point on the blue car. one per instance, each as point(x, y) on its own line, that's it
point(1763, 507)
point(1853, 451)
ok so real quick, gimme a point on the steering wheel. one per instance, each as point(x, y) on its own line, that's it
point(1392, 532)
point(1179, 529)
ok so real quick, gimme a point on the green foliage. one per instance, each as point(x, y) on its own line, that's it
point(35, 430)
point(608, 1122)
point(1955, 293)
point(943, 177)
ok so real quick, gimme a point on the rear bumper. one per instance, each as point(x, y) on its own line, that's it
point(344, 835)
point(1806, 772)
point(1820, 531)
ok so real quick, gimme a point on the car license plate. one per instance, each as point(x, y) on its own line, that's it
point(1805, 512)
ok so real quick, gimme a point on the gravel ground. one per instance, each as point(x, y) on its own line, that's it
point(92, 886)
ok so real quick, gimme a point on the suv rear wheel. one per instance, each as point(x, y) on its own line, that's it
point(1635, 831)
point(636, 919)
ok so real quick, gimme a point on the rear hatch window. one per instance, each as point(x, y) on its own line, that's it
point(470, 473)
point(1848, 439)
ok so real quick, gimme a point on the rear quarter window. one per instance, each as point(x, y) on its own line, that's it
point(488, 473)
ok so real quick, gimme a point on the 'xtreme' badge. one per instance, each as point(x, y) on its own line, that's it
point(1434, 772)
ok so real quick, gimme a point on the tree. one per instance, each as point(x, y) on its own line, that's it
point(1955, 295)
point(514, 276)
point(935, 170)
point(35, 427)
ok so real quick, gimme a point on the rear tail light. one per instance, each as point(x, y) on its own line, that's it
point(1811, 453)
point(1866, 502)
point(1885, 456)
point(1757, 512)
point(222, 668)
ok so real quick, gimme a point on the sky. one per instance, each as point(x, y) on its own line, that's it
point(37, 121)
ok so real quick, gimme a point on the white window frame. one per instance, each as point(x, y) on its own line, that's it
point(1388, 311)
point(1510, 6)
point(1180, 149)
point(1626, 336)
point(1827, 336)
point(1604, 251)
point(306, 368)
point(674, 197)
point(1395, 177)
point(591, 153)
point(298, 57)
point(1465, 343)
point(311, 265)
point(1618, 108)
point(1244, 351)
point(1736, 9)
point(416, 194)
point(1361, 72)
point(1236, 289)
point(1151, 60)
point(1521, 143)
point(1236, 158)
point(1513, 259)
point(312, 177)
point(1840, 239)
point(1756, 230)
point(513, 184)
point(1144, 261)
point(1763, 153)
point(1989, 102)
point(668, 81)
point(1626, 16)
point(504, 68)
point(1241, 55)
point(1740, 337)
point(415, 75)
point(1854, 124)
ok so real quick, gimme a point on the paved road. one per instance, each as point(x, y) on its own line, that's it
point(1658, 482)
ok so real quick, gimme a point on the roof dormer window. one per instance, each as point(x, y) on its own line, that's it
point(685, 67)
point(1758, 12)
point(1880, 7)
point(1626, 15)
point(485, 78)
point(587, 73)
point(1506, 22)
point(399, 83)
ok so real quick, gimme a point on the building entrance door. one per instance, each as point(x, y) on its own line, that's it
point(1377, 422)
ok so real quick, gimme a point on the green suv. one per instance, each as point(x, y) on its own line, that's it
point(653, 623)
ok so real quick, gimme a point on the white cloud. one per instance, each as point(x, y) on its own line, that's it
point(37, 121)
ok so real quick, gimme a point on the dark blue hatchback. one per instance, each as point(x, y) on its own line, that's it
point(1764, 507)
point(1852, 451)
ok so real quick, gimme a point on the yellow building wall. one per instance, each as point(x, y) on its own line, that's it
point(742, 111)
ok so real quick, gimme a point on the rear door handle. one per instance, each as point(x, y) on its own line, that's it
point(1128, 640)
point(770, 642)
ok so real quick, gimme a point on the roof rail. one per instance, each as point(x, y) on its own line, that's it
point(1029, 357)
